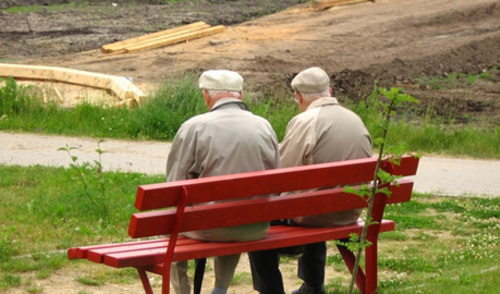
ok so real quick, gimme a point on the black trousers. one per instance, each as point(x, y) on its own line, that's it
point(266, 275)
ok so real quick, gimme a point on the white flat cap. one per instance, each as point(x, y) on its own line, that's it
point(221, 79)
point(311, 80)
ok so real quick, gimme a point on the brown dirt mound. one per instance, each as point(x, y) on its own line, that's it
point(391, 42)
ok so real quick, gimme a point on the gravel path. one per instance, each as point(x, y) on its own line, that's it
point(442, 176)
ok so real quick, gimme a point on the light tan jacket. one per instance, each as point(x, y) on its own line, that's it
point(325, 132)
point(229, 139)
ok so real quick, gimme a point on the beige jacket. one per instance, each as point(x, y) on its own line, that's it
point(229, 139)
point(325, 132)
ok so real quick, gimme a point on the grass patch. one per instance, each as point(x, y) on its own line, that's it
point(79, 5)
point(175, 101)
point(439, 243)
point(453, 254)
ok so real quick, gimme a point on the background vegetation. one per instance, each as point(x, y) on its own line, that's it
point(441, 245)
point(176, 101)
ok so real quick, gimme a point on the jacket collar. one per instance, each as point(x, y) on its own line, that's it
point(228, 102)
point(322, 102)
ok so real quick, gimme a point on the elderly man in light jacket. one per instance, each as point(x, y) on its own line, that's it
point(324, 131)
point(226, 140)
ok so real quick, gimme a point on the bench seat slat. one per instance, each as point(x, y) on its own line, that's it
point(81, 251)
point(278, 236)
point(97, 254)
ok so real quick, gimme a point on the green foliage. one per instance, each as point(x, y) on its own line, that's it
point(13, 99)
point(381, 179)
point(94, 184)
point(8, 281)
point(160, 116)
point(454, 79)
point(44, 211)
point(47, 8)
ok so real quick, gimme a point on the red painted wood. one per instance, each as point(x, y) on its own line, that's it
point(152, 256)
point(331, 174)
point(350, 259)
point(255, 210)
point(278, 236)
point(371, 268)
point(82, 251)
point(97, 254)
point(145, 281)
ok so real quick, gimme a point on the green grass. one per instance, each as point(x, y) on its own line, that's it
point(454, 79)
point(439, 243)
point(80, 5)
point(47, 8)
point(455, 253)
point(177, 100)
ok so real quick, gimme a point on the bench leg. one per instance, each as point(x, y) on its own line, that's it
point(349, 260)
point(145, 281)
point(371, 268)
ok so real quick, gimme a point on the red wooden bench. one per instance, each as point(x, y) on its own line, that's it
point(172, 212)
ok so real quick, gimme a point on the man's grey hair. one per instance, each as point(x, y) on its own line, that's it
point(218, 93)
point(314, 96)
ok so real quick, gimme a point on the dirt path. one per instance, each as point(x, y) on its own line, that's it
point(435, 175)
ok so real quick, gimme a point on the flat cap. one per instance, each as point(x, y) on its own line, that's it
point(221, 79)
point(311, 80)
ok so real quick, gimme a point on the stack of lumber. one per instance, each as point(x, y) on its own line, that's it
point(121, 87)
point(163, 38)
point(324, 4)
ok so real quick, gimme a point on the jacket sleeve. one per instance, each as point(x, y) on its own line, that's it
point(181, 158)
point(298, 144)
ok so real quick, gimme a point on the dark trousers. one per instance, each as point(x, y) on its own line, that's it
point(266, 274)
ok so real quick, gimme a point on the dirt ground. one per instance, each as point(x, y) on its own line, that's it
point(389, 41)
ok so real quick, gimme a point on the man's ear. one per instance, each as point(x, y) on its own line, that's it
point(240, 95)
point(206, 97)
point(298, 96)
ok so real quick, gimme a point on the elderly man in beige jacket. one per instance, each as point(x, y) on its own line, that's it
point(226, 140)
point(324, 132)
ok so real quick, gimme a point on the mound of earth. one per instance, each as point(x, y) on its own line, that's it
point(388, 42)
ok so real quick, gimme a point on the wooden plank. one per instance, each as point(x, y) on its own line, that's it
point(274, 239)
point(124, 89)
point(120, 86)
point(240, 212)
point(177, 39)
point(324, 4)
point(82, 251)
point(120, 44)
point(159, 38)
point(55, 74)
point(161, 195)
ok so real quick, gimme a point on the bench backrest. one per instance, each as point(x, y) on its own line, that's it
point(187, 199)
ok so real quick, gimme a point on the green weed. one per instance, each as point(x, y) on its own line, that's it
point(454, 79)
point(177, 100)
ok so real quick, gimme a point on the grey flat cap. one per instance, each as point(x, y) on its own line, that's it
point(311, 80)
point(221, 79)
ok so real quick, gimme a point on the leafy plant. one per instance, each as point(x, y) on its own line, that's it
point(381, 178)
point(89, 174)
point(12, 98)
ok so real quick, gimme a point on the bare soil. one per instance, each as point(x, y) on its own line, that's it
point(392, 42)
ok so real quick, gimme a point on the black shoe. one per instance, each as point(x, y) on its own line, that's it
point(304, 289)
